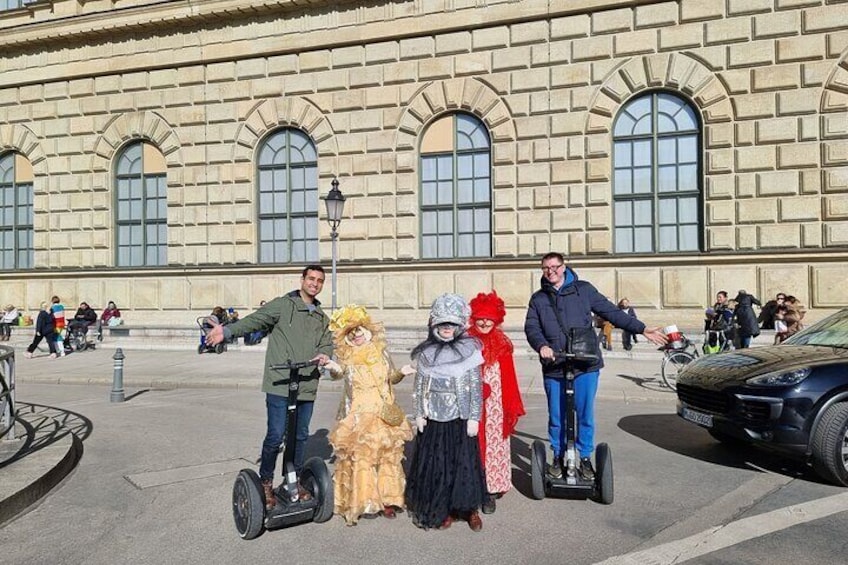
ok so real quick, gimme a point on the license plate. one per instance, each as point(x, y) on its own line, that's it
point(699, 418)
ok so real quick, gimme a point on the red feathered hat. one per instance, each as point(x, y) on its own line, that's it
point(488, 307)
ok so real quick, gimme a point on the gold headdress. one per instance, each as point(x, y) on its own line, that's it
point(348, 318)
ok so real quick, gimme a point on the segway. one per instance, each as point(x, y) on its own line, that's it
point(248, 497)
point(571, 484)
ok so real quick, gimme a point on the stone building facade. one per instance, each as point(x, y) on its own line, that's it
point(199, 89)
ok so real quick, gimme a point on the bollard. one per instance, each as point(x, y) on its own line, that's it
point(118, 378)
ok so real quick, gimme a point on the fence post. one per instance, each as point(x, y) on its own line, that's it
point(118, 378)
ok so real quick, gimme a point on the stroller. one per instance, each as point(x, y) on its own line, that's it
point(718, 334)
point(205, 327)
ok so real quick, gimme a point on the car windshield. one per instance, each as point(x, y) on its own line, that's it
point(831, 332)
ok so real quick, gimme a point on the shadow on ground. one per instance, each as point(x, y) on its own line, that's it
point(670, 432)
point(654, 384)
point(520, 446)
point(43, 426)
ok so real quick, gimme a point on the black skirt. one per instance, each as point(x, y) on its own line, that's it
point(446, 476)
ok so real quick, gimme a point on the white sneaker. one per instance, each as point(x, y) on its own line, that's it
point(27, 354)
point(52, 355)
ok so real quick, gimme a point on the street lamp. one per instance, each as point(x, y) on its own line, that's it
point(335, 206)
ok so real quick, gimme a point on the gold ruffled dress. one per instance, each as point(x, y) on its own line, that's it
point(369, 453)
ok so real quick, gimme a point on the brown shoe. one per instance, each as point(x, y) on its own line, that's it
point(446, 523)
point(389, 512)
point(475, 522)
point(270, 499)
point(302, 493)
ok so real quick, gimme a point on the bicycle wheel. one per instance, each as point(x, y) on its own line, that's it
point(672, 364)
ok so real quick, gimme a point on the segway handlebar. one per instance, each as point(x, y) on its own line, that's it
point(564, 356)
point(294, 365)
point(291, 366)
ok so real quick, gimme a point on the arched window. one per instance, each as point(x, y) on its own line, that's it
point(288, 198)
point(16, 212)
point(657, 181)
point(456, 189)
point(142, 207)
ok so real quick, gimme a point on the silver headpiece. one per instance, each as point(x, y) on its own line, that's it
point(450, 309)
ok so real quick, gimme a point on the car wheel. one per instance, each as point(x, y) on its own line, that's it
point(830, 445)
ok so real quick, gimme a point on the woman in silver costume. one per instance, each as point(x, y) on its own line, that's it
point(446, 479)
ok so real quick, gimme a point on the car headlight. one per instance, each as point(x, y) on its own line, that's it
point(780, 378)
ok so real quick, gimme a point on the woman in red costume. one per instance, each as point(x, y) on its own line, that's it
point(502, 405)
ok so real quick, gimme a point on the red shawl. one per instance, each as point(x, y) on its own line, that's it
point(498, 348)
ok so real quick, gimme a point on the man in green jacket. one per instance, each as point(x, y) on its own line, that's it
point(298, 330)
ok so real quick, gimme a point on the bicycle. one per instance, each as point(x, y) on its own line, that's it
point(675, 360)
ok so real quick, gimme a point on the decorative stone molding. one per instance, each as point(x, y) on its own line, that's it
point(678, 72)
point(136, 125)
point(19, 138)
point(835, 92)
point(438, 97)
point(268, 115)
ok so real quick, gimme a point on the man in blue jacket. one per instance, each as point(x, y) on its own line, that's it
point(575, 301)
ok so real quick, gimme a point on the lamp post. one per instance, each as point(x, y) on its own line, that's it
point(335, 206)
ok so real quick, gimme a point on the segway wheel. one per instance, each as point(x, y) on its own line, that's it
point(248, 504)
point(219, 348)
point(603, 475)
point(537, 469)
point(315, 477)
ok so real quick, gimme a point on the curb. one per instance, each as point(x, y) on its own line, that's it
point(25, 499)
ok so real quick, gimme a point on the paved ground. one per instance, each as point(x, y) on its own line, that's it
point(45, 450)
point(627, 376)
point(154, 481)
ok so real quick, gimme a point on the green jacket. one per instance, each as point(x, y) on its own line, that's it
point(294, 333)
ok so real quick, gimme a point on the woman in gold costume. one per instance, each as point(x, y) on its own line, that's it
point(371, 431)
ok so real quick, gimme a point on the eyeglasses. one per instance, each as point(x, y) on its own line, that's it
point(552, 268)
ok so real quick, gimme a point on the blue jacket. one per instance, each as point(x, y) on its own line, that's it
point(575, 300)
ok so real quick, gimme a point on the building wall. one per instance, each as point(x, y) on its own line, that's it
point(769, 78)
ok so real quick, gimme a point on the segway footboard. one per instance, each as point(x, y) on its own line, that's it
point(580, 489)
point(287, 513)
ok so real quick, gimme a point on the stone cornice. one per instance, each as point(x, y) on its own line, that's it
point(163, 15)
point(170, 15)
point(339, 28)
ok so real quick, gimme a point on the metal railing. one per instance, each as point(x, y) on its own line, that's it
point(8, 416)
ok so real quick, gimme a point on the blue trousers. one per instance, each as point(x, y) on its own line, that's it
point(585, 387)
point(276, 407)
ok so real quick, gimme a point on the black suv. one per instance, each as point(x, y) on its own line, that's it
point(791, 398)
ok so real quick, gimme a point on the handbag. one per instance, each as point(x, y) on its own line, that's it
point(392, 414)
point(580, 342)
